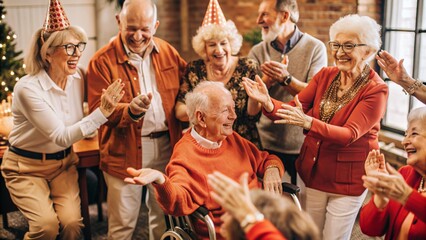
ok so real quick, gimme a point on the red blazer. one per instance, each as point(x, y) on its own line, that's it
point(333, 154)
point(375, 222)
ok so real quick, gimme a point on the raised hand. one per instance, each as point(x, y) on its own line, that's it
point(294, 115)
point(276, 70)
point(110, 97)
point(394, 69)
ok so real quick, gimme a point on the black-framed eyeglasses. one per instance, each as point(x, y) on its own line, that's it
point(70, 48)
point(347, 47)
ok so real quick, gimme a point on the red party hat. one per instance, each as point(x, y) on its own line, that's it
point(56, 19)
point(214, 14)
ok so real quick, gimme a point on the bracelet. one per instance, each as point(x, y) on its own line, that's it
point(133, 116)
point(251, 219)
point(413, 87)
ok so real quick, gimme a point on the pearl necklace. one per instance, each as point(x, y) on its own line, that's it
point(421, 188)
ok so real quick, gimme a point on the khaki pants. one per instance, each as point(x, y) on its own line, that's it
point(124, 200)
point(47, 194)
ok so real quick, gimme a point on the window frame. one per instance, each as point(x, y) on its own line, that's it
point(387, 30)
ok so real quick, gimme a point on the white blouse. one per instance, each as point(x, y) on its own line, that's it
point(48, 119)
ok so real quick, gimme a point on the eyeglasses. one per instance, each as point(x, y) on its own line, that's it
point(347, 47)
point(70, 48)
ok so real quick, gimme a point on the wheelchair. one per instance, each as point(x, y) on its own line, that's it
point(181, 228)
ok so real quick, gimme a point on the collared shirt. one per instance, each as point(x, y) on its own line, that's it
point(155, 117)
point(48, 119)
point(297, 34)
point(204, 142)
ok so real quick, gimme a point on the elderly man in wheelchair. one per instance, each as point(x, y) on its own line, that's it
point(210, 145)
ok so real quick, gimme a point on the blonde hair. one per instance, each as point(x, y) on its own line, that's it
point(35, 60)
point(283, 214)
point(214, 31)
point(367, 29)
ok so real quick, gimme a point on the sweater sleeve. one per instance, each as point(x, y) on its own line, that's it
point(264, 230)
point(416, 204)
point(373, 221)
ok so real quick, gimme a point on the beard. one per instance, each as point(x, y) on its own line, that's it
point(273, 32)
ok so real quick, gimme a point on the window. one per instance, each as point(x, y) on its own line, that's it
point(405, 38)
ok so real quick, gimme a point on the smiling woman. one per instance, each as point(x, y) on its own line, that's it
point(39, 168)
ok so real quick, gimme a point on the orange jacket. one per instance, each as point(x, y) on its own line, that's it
point(120, 138)
point(333, 154)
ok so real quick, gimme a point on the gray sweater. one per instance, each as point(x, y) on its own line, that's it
point(306, 58)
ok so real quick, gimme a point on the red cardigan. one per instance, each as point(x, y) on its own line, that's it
point(186, 188)
point(333, 154)
point(264, 230)
point(375, 222)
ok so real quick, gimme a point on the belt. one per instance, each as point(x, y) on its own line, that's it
point(156, 134)
point(35, 155)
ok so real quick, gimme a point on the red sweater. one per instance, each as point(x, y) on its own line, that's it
point(375, 222)
point(264, 230)
point(186, 188)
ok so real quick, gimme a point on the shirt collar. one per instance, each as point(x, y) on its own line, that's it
point(151, 47)
point(203, 141)
point(297, 34)
point(47, 83)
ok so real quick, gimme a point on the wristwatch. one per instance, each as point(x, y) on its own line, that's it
point(251, 218)
point(286, 81)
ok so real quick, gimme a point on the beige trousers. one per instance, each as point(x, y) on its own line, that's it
point(47, 194)
point(124, 200)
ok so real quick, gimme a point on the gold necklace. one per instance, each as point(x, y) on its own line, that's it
point(421, 188)
point(331, 103)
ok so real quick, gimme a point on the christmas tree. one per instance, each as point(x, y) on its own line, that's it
point(11, 65)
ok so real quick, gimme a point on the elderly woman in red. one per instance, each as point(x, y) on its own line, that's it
point(398, 206)
point(340, 112)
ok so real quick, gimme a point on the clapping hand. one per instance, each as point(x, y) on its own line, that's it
point(140, 104)
point(375, 162)
point(294, 115)
point(276, 70)
point(258, 91)
point(110, 97)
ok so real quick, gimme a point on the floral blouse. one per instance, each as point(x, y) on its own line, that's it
point(245, 124)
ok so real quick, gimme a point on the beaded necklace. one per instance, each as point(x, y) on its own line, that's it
point(421, 188)
point(331, 103)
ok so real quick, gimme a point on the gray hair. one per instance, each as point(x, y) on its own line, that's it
point(417, 114)
point(214, 31)
point(367, 29)
point(290, 6)
point(199, 98)
point(35, 60)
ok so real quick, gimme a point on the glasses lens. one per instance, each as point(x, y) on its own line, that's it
point(348, 46)
point(81, 46)
point(70, 49)
point(334, 46)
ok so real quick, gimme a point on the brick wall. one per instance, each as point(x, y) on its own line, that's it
point(316, 16)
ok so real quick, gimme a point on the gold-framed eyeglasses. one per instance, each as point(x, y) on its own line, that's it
point(70, 48)
point(346, 47)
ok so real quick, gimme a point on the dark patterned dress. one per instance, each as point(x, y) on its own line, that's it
point(245, 125)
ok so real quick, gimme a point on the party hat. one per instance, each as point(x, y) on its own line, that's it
point(56, 19)
point(214, 14)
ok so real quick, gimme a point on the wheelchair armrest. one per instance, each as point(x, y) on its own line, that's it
point(202, 210)
point(290, 188)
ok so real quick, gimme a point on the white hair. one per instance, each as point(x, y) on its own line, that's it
point(199, 98)
point(367, 29)
point(417, 114)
